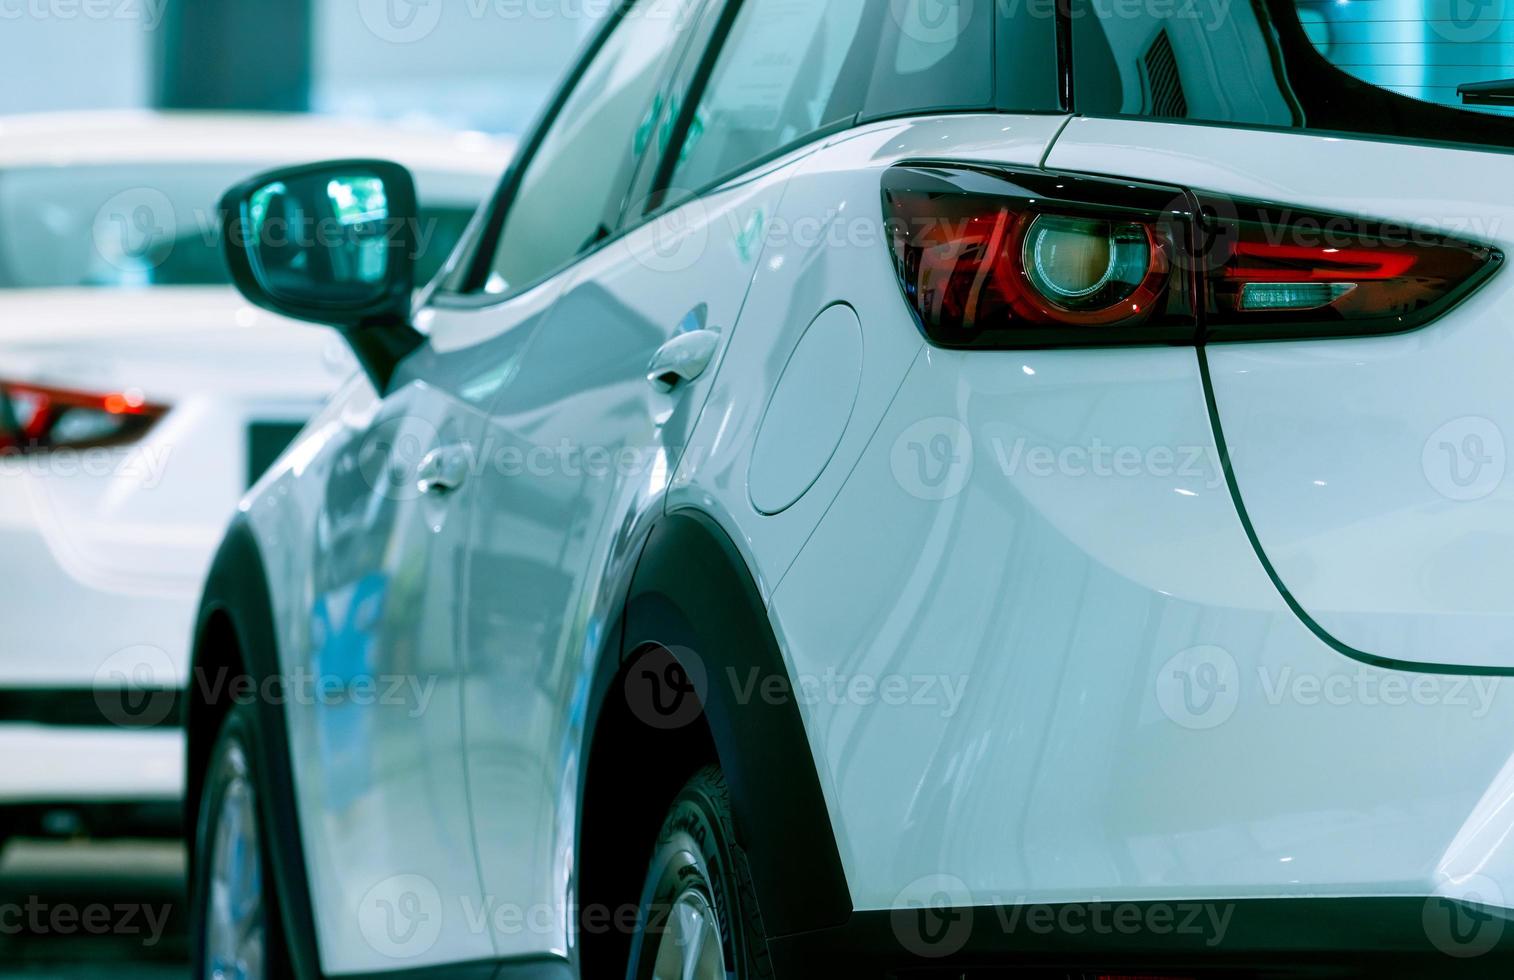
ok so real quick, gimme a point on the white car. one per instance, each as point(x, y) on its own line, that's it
point(140, 396)
point(893, 490)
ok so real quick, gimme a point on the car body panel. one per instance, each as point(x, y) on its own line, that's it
point(1372, 469)
point(587, 446)
point(829, 247)
point(1095, 688)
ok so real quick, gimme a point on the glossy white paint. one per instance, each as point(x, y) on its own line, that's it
point(811, 406)
point(115, 542)
point(1064, 672)
point(829, 247)
point(554, 541)
point(1375, 471)
point(1113, 700)
point(546, 537)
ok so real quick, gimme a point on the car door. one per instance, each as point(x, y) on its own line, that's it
point(439, 460)
point(1367, 438)
point(589, 438)
point(376, 730)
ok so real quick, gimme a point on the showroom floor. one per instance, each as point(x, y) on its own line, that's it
point(82, 911)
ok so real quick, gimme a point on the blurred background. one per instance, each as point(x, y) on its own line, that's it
point(460, 64)
point(114, 317)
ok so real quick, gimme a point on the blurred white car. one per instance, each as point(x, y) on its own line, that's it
point(140, 396)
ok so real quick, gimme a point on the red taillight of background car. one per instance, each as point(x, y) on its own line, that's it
point(1275, 272)
point(1010, 259)
point(997, 259)
point(37, 418)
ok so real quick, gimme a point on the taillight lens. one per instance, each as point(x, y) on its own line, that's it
point(990, 259)
point(37, 418)
point(1004, 259)
point(1274, 272)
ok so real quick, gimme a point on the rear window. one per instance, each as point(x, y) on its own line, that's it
point(791, 68)
point(1387, 68)
point(1424, 50)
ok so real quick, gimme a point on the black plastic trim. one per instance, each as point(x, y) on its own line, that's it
point(98, 707)
point(692, 594)
point(379, 331)
point(237, 589)
point(1268, 937)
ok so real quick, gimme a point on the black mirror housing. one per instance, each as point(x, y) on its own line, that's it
point(332, 243)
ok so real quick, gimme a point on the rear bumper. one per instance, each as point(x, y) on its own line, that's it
point(70, 621)
point(1294, 938)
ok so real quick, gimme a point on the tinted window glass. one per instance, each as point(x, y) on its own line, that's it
point(776, 81)
point(932, 55)
point(1203, 60)
point(1419, 48)
point(572, 188)
point(1275, 63)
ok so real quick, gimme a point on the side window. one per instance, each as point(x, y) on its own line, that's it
point(1178, 62)
point(1383, 70)
point(781, 75)
point(570, 193)
point(933, 56)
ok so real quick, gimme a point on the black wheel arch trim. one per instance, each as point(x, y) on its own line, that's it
point(692, 591)
point(237, 589)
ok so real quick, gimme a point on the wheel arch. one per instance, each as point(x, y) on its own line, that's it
point(692, 597)
point(235, 657)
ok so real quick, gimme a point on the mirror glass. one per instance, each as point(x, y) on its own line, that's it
point(321, 237)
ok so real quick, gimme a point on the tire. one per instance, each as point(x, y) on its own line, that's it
point(235, 928)
point(699, 874)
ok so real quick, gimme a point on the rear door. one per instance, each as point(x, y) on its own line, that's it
point(1359, 347)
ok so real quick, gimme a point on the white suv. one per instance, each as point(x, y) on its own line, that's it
point(140, 396)
point(892, 490)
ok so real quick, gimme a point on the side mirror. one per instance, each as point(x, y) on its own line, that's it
point(332, 243)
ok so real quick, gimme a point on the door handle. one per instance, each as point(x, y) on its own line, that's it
point(682, 359)
point(443, 469)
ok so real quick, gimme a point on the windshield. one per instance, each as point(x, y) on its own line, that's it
point(131, 225)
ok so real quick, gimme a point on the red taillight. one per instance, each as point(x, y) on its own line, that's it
point(991, 258)
point(1274, 272)
point(37, 417)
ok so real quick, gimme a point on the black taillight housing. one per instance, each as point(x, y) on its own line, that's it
point(997, 258)
point(1272, 272)
point(992, 258)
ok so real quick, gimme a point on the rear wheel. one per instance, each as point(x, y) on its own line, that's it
point(236, 929)
point(698, 912)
